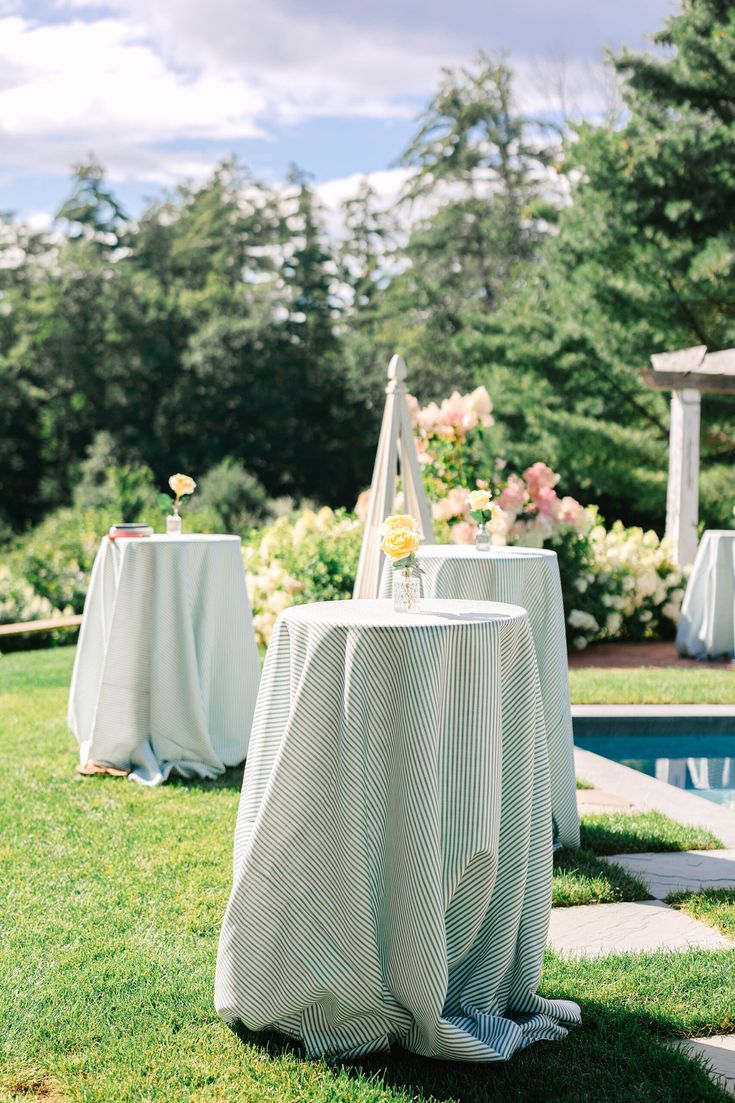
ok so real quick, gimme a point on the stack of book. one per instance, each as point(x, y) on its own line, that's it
point(136, 530)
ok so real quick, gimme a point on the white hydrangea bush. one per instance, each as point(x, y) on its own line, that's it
point(19, 602)
point(650, 584)
point(308, 556)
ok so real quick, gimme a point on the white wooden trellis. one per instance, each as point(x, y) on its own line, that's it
point(687, 373)
point(396, 451)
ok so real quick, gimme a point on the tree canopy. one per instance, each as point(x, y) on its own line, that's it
point(224, 321)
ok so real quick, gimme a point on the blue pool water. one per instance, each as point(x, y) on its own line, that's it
point(703, 764)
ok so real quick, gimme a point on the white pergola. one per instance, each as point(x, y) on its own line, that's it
point(396, 452)
point(687, 373)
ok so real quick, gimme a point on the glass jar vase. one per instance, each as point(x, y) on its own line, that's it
point(173, 523)
point(406, 591)
point(482, 538)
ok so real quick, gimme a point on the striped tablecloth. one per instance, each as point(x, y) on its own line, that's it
point(166, 673)
point(528, 577)
point(707, 623)
point(392, 872)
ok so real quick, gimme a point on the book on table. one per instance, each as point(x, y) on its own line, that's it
point(130, 529)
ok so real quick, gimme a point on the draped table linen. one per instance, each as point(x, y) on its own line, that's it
point(166, 672)
point(393, 847)
point(707, 623)
point(528, 577)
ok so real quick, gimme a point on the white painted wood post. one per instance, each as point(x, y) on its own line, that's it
point(682, 499)
point(396, 443)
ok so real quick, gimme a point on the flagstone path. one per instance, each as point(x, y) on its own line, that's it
point(690, 871)
point(718, 1054)
point(594, 930)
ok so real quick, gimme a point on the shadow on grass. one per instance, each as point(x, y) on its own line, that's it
point(230, 779)
point(641, 832)
point(580, 877)
point(616, 1056)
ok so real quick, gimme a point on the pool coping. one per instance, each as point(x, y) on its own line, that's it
point(653, 710)
point(665, 719)
point(648, 793)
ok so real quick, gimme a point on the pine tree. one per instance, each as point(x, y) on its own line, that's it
point(479, 199)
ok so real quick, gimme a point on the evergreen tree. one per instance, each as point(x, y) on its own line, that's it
point(644, 261)
point(480, 199)
point(92, 211)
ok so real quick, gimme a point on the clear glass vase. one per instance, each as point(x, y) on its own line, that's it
point(406, 591)
point(173, 523)
point(482, 538)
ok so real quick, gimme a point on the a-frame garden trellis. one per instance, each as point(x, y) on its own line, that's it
point(396, 452)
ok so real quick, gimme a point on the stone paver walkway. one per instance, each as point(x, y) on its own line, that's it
point(594, 930)
point(597, 800)
point(719, 1054)
point(691, 871)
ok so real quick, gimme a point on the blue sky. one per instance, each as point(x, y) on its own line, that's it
point(161, 90)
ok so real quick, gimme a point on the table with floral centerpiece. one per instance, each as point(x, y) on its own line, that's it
point(166, 671)
point(528, 577)
point(393, 848)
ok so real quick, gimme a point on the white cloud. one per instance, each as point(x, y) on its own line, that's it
point(126, 84)
point(305, 64)
point(387, 185)
point(133, 80)
point(104, 78)
point(39, 220)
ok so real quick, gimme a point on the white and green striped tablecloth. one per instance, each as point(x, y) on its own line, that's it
point(528, 577)
point(166, 673)
point(392, 870)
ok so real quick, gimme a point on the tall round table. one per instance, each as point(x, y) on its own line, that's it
point(166, 672)
point(528, 577)
point(707, 623)
point(393, 848)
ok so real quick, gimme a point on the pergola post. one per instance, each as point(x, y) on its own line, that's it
point(687, 373)
point(682, 498)
point(396, 448)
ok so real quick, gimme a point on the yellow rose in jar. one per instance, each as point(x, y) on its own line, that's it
point(399, 521)
point(479, 500)
point(400, 543)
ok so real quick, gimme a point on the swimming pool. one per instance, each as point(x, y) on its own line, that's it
point(702, 764)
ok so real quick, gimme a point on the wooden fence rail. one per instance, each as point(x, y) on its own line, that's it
point(48, 625)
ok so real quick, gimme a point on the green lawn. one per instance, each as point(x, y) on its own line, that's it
point(716, 907)
point(652, 686)
point(641, 832)
point(111, 905)
point(582, 877)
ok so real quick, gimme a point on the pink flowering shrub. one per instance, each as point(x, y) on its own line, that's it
point(451, 449)
point(604, 596)
point(617, 582)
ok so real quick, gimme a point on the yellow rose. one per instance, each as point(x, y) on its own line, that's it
point(399, 521)
point(399, 543)
point(182, 484)
point(479, 499)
